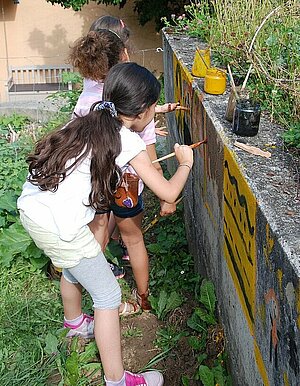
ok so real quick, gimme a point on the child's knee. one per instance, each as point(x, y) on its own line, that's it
point(108, 299)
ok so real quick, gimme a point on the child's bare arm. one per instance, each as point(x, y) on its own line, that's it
point(164, 189)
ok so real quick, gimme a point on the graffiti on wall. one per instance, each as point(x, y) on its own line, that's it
point(239, 234)
point(277, 329)
point(183, 93)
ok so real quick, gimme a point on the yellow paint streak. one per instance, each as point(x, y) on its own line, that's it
point(269, 245)
point(210, 214)
point(279, 274)
point(285, 379)
point(260, 365)
point(262, 313)
point(239, 219)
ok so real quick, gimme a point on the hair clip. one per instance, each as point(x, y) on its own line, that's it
point(104, 105)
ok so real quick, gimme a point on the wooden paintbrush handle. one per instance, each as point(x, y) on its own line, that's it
point(193, 146)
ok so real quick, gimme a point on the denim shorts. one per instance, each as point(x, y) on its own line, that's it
point(128, 212)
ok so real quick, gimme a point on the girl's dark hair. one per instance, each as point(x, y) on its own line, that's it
point(94, 54)
point(114, 24)
point(132, 89)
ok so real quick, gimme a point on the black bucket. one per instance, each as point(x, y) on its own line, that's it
point(246, 118)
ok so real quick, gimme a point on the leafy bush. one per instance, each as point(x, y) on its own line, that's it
point(17, 138)
point(146, 10)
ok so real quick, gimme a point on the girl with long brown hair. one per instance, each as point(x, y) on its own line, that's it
point(75, 171)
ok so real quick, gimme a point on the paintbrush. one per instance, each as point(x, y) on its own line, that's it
point(193, 146)
point(158, 216)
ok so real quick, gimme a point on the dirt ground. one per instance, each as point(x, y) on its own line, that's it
point(138, 351)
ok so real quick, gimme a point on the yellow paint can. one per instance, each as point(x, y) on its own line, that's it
point(201, 62)
point(215, 81)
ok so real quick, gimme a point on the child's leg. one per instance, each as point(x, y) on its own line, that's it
point(107, 334)
point(131, 233)
point(99, 228)
point(97, 278)
point(71, 298)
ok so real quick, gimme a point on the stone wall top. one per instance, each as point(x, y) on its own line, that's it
point(275, 180)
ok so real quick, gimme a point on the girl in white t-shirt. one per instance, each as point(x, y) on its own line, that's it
point(93, 55)
point(75, 171)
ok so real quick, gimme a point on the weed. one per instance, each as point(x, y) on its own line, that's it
point(168, 337)
point(133, 332)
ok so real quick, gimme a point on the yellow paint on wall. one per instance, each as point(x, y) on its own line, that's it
point(262, 314)
point(269, 245)
point(239, 234)
point(279, 274)
point(260, 365)
point(285, 379)
point(213, 221)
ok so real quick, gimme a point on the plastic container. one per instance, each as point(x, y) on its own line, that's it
point(201, 62)
point(215, 81)
point(246, 118)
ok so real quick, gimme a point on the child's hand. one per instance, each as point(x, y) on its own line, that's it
point(168, 107)
point(160, 130)
point(184, 154)
point(167, 209)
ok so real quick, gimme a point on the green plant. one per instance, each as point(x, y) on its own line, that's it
point(261, 34)
point(196, 21)
point(168, 337)
point(70, 97)
point(132, 332)
point(14, 240)
point(146, 10)
point(165, 302)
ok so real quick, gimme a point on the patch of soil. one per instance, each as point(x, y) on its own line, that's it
point(139, 350)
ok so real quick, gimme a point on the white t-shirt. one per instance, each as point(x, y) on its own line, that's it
point(64, 212)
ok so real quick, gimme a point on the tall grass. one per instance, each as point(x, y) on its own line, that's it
point(262, 33)
point(30, 308)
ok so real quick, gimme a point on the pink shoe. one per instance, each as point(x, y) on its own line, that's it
point(85, 329)
point(149, 378)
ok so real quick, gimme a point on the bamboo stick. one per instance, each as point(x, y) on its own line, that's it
point(193, 146)
point(232, 83)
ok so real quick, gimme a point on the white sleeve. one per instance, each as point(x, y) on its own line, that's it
point(132, 145)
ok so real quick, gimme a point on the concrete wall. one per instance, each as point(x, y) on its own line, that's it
point(38, 33)
point(243, 225)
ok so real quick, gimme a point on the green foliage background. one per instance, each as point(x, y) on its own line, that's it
point(146, 10)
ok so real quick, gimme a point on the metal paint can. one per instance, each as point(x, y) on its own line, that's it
point(246, 118)
point(215, 81)
point(201, 62)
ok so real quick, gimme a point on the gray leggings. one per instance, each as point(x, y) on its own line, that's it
point(96, 276)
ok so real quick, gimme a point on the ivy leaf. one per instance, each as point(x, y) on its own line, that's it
point(207, 296)
point(206, 376)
